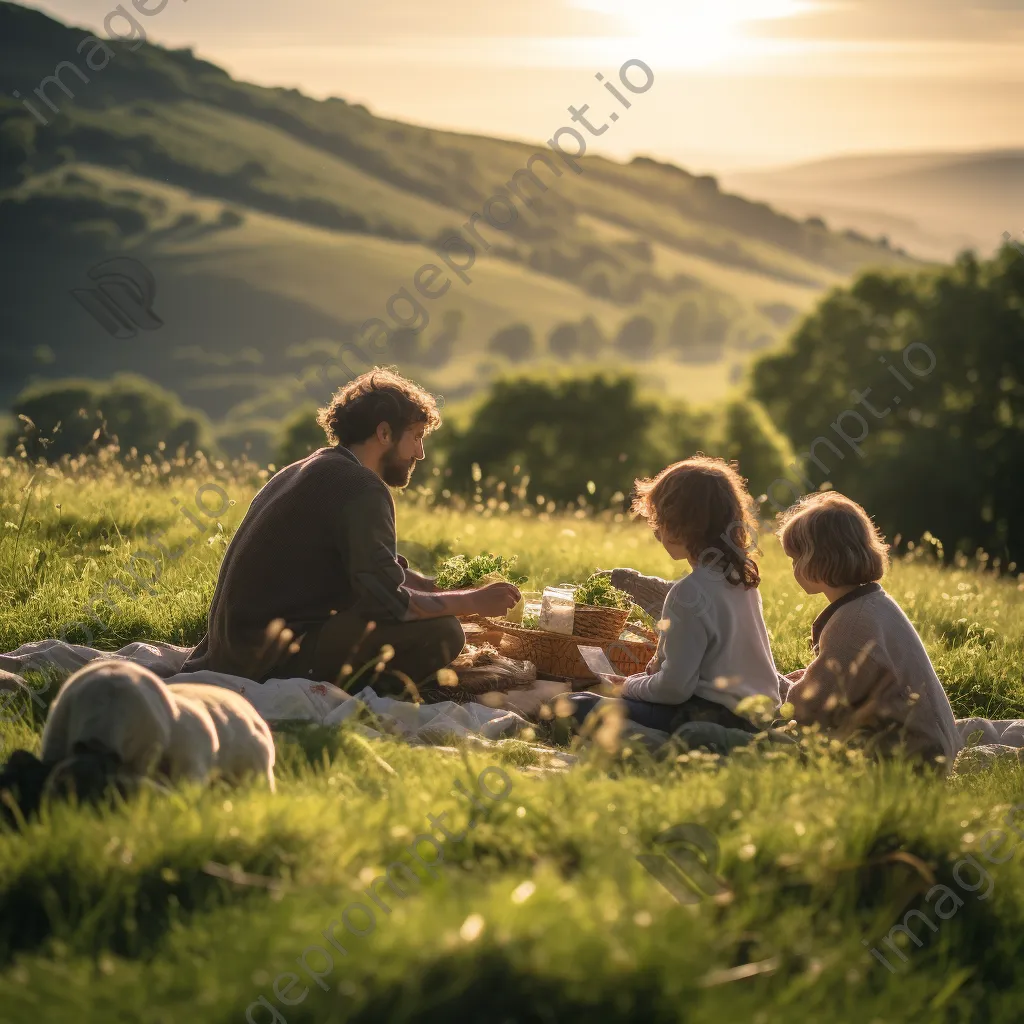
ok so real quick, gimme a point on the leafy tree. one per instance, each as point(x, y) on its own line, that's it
point(442, 343)
point(564, 341)
point(584, 338)
point(405, 345)
point(17, 146)
point(683, 332)
point(941, 452)
point(698, 337)
point(750, 437)
point(565, 433)
point(514, 343)
point(636, 338)
point(592, 338)
point(300, 436)
point(72, 417)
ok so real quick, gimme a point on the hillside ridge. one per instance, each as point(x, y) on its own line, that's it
point(315, 213)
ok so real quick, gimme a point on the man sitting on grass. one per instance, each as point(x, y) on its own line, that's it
point(311, 584)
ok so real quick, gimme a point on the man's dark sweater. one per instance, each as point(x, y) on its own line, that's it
point(318, 539)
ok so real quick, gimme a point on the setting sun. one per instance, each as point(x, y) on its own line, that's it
point(694, 33)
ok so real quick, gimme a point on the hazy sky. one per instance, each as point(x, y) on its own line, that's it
point(738, 82)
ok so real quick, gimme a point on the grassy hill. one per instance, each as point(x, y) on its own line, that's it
point(275, 224)
point(193, 905)
point(933, 203)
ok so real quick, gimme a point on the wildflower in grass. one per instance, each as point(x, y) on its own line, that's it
point(523, 892)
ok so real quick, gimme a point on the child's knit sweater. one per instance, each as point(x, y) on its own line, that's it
point(714, 644)
point(872, 676)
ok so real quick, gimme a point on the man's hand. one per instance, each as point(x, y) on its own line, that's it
point(495, 599)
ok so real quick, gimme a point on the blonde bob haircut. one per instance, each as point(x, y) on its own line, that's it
point(832, 540)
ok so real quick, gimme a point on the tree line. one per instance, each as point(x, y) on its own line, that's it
point(904, 390)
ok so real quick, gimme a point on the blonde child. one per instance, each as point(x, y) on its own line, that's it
point(871, 676)
point(714, 648)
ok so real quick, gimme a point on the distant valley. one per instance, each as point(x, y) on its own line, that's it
point(934, 204)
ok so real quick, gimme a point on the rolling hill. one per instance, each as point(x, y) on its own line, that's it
point(935, 204)
point(274, 225)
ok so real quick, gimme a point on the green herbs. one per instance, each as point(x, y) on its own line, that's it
point(459, 572)
point(599, 592)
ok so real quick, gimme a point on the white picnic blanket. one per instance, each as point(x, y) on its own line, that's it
point(990, 741)
point(299, 699)
point(279, 700)
point(1006, 731)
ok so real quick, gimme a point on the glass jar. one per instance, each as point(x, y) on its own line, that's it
point(557, 610)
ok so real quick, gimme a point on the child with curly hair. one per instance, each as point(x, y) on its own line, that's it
point(714, 650)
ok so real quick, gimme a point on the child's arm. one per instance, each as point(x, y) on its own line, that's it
point(683, 645)
point(647, 591)
point(841, 678)
point(811, 691)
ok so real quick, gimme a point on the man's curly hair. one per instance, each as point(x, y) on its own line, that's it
point(378, 396)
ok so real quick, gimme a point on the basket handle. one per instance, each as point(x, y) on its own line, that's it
point(482, 620)
point(643, 631)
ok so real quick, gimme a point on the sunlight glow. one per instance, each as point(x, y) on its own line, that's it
point(695, 33)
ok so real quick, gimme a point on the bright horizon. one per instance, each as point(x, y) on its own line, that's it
point(739, 83)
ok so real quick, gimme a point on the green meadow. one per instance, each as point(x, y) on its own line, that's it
point(194, 905)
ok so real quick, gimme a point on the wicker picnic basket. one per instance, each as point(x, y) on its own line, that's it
point(601, 624)
point(479, 630)
point(555, 654)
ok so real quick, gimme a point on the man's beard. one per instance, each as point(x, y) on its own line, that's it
point(396, 471)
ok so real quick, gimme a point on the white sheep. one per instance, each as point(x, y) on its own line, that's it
point(181, 731)
point(113, 707)
point(246, 745)
point(194, 744)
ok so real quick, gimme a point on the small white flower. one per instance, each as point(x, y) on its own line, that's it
point(522, 892)
point(472, 928)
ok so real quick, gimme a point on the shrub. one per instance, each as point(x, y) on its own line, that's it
point(300, 436)
point(73, 417)
point(256, 441)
